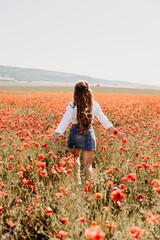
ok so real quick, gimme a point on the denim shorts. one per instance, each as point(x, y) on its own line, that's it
point(81, 141)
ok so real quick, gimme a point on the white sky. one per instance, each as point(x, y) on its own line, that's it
point(110, 39)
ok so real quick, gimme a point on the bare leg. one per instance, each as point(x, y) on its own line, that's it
point(76, 153)
point(87, 160)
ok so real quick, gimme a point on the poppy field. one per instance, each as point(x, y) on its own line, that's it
point(39, 195)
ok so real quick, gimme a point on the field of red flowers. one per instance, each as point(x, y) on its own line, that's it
point(39, 196)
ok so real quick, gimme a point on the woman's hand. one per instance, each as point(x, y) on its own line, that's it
point(121, 136)
point(54, 137)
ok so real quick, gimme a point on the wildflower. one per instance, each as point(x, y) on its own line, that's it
point(3, 144)
point(117, 195)
point(123, 187)
point(25, 145)
point(62, 234)
point(49, 154)
point(53, 238)
point(9, 168)
point(54, 157)
point(53, 170)
point(155, 183)
point(139, 167)
point(136, 232)
point(109, 171)
point(146, 165)
point(94, 233)
point(31, 186)
point(97, 196)
point(2, 185)
point(42, 172)
point(157, 190)
point(93, 223)
point(129, 177)
point(29, 168)
point(3, 194)
point(140, 197)
point(10, 223)
point(87, 188)
point(64, 220)
point(103, 148)
point(69, 171)
point(30, 209)
point(19, 201)
point(20, 174)
point(60, 195)
point(40, 164)
point(155, 165)
point(44, 145)
point(63, 190)
point(1, 209)
point(11, 158)
point(109, 184)
point(35, 202)
point(111, 225)
point(124, 140)
point(151, 218)
point(38, 196)
point(82, 219)
point(36, 144)
point(25, 181)
point(41, 156)
point(137, 155)
point(48, 211)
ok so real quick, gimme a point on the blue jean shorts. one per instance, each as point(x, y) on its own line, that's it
point(77, 140)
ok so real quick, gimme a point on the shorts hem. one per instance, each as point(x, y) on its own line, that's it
point(93, 149)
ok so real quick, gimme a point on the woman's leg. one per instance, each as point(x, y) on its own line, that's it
point(76, 153)
point(87, 160)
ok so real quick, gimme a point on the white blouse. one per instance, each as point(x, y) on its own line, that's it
point(71, 116)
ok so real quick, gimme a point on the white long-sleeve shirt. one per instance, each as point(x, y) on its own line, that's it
point(71, 116)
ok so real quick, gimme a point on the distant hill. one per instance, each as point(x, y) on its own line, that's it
point(17, 74)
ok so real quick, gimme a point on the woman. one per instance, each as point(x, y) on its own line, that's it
point(81, 112)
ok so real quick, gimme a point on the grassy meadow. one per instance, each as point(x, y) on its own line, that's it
point(39, 195)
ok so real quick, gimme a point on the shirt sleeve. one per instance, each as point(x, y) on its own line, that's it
point(65, 121)
point(102, 117)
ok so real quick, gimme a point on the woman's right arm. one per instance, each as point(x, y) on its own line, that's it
point(65, 121)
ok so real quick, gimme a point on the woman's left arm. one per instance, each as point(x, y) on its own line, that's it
point(106, 123)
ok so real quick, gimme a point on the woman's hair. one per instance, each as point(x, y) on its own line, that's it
point(83, 102)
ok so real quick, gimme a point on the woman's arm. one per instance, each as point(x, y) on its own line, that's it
point(102, 117)
point(65, 121)
point(106, 123)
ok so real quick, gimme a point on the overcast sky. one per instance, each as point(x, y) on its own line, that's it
point(109, 39)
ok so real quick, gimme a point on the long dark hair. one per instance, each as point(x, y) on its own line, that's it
point(83, 101)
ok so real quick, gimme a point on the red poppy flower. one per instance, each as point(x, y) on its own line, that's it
point(94, 233)
point(64, 220)
point(136, 232)
point(117, 195)
point(151, 218)
point(97, 196)
point(48, 211)
point(62, 234)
